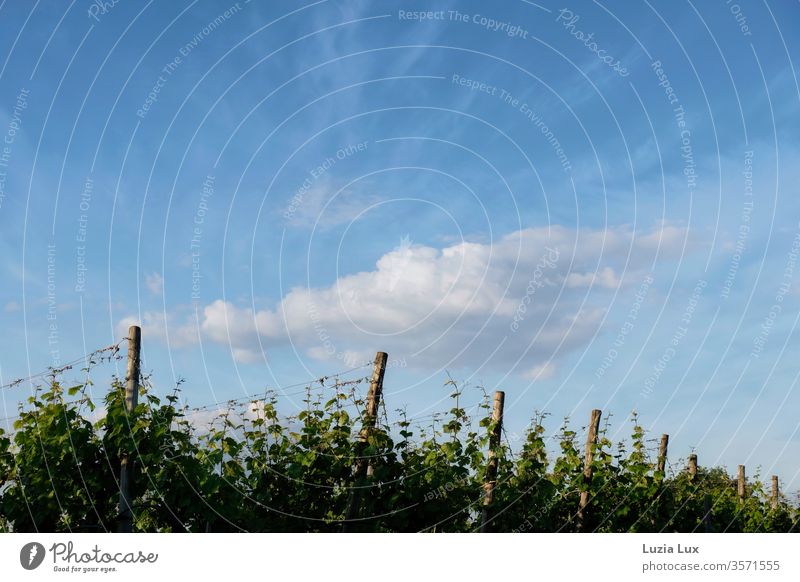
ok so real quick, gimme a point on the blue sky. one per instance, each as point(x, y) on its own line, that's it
point(586, 205)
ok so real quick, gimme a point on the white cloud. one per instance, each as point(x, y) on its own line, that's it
point(454, 306)
point(154, 283)
point(522, 302)
point(156, 325)
point(543, 371)
point(604, 278)
point(240, 328)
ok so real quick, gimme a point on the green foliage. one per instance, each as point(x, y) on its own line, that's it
point(255, 470)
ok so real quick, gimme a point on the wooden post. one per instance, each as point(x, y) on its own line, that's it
point(591, 442)
point(370, 417)
point(741, 490)
point(125, 517)
point(491, 468)
point(662, 454)
point(775, 493)
point(692, 467)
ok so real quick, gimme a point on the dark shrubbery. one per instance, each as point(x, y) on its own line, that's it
point(253, 470)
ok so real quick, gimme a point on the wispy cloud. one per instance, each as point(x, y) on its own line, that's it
point(154, 283)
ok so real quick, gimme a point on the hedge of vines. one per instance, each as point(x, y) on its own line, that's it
point(256, 470)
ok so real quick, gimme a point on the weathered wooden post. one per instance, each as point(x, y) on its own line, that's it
point(370, 418)
point(741, 489)
point(662, 455)
point(775, 493)
point(588, 470)
point(692, 467)
point(491, 468)
point(707, 507)
point(131, 400)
